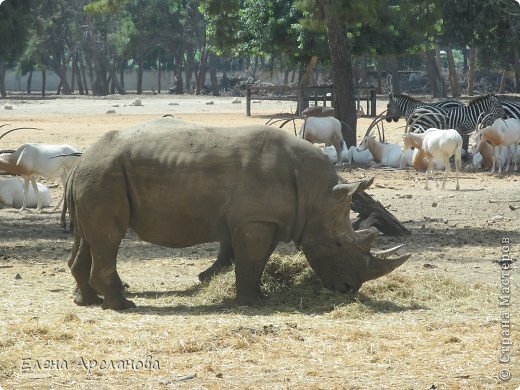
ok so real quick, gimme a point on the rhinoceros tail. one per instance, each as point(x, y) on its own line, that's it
point(68, 202)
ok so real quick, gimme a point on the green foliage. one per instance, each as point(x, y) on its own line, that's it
point(104, 6)
point(15, 17)
point(492, 26)
point(251, 27)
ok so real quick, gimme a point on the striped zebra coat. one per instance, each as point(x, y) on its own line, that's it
point(511, 109)
point(464, 119)
point(404, 105)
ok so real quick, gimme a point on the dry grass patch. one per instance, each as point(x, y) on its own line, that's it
point(291, 285)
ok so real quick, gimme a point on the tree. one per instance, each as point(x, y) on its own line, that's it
point(14, 21)
point(341, 58)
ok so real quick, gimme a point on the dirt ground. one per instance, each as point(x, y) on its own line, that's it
point(437, 322)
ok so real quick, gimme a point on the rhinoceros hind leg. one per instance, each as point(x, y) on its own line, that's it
point(253, 244)
point(80, 264)
point(224, 259)
point(104, 277)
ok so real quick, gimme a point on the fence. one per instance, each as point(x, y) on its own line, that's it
point(316, 94)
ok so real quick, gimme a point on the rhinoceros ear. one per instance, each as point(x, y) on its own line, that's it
point(344, 190)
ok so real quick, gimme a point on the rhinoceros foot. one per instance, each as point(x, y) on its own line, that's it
point(120, 303)
point(224, 260)
point(215, 269)
point(256, 299)
point(86, 298)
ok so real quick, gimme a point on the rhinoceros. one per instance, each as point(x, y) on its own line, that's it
point(179, 184)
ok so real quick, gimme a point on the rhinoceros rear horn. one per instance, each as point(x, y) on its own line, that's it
point(378, 267)
point(348, 189)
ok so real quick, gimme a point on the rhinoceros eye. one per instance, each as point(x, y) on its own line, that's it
point(338, 243)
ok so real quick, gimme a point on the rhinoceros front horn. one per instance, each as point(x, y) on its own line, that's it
point(378, 267)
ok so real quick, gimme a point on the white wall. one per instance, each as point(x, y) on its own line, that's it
point(14, 82)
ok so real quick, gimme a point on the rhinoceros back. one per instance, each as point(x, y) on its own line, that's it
point(179, 184)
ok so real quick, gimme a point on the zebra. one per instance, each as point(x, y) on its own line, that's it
point(511, 109)
point(405, 105)
point(464, 119)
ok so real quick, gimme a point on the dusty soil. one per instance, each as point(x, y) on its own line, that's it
point(429, 337)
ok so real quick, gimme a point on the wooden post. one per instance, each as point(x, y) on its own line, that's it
point(373, 102)
point(248, 100)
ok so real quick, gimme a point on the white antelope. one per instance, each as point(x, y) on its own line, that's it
point(383, 153)
point(325, 130)
point(12, 194)
point(503, 132)
point(32, 160)
point(438, 144)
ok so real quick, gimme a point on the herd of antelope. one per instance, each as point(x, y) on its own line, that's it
point(434, 133)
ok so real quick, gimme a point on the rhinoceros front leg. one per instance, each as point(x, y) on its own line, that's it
point(80, 264)
point(253, 243)
point(224, 259)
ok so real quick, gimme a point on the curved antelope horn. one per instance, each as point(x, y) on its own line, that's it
point(408, 124)
point(376, 120)
point(285, 121)
point(381, 131)
point(378, 267)
point(480, 124)
point(18, 128)
point(74, 154)
point(479, 121)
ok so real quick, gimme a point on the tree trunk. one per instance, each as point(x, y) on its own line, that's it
point(393, 69)
point(303, 102)
point(465, 58)
point(271, 68)
point(373, 213)
point(434, 74)
point(3, 66)
point(503, 79)
point(72, 77)
point(140, 76)
point(201, 78)
point(190, 66)
point(293, 75)
point(341, 58)
point(454, 82)
point(438, 57)
point(516, 67)
point(286, 75)
point(116, 84)
point(83, 74)
point(76, 71)
point(44, 81)
point(99, 82)
point(29, 82)
point(61, 72)
point(213, 74)
point(159, 78)
point(255, 67)
point(177, 69)
point(471, 73)
point(122, 74)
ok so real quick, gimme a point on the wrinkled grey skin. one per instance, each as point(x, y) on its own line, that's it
point(179, 184)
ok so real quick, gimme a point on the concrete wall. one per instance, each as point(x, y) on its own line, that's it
point(14, 82)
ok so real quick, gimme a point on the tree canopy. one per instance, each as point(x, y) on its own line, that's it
point(94, 41)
